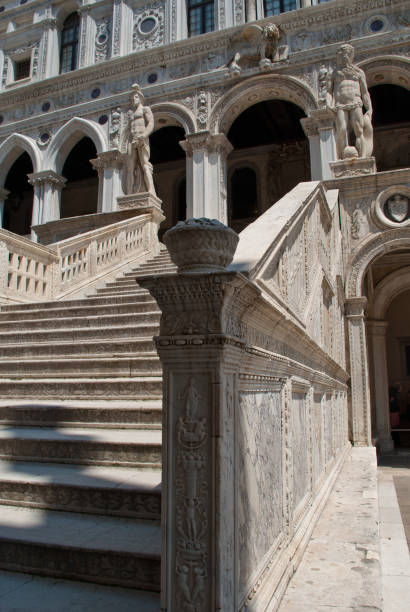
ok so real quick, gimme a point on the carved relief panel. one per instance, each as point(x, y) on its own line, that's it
point(260, 478)
point(149, 26)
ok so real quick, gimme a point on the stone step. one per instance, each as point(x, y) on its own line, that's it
point(117, 290)
point(146, 330)
point(81, 311)
point(117, 414)
point(113, 348)
point(21, 592)
point(149, 270)
point(130, 283)
point(93, 321)
point(125, 447)
point(139, 295)
point(86, 367)
point(84, 388)
point(112, 491)
point(81, 547)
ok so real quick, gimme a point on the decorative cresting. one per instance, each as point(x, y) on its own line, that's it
point(201, 245)
point(258, 89)
point(371, 248)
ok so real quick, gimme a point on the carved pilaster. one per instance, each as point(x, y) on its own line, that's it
point(200, 346)
point(355, 313)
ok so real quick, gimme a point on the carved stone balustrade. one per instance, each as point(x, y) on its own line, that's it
point(254, 418)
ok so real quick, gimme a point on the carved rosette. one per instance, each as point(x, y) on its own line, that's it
point(201, 245)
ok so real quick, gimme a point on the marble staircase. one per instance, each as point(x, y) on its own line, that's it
point(80, 439)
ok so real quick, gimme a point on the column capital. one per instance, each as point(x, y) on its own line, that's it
point(377, 328)
point(355, 307)
point(49, 22)
point(3, 193)
point(108, 159)
point(206, 140)
point(320, 119)
point(47, 176)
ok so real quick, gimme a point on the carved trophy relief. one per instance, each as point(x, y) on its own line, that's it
point(102, 39)
point(191, 500)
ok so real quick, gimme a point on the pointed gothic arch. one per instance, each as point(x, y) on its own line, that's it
point(68, 136)
point(12, 148)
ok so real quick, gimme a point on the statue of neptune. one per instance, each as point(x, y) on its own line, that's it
point(347, 96)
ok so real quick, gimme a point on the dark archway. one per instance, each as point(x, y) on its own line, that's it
point(168, 160)
point(18, 207)
point(270, 157)
point(391, 124)
point(80, 194)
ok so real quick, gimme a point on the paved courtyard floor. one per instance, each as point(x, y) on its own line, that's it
point(353, 563)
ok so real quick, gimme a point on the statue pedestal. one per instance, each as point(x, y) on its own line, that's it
point(144, 203)
point(353, 166)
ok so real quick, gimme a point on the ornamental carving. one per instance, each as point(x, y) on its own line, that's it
point(149, 26)
point(191, 501)
point(102, 39)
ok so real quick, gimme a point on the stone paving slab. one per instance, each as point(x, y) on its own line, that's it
point(340, 570)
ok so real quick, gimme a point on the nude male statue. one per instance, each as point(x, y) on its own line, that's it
point(347, 95)
point(141, 125)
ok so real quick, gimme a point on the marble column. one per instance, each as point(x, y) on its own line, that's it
point(200, 352)
point(360, 392)
point(3, 197)
point(206, 156)
point(47, 186)
point(108, 165)
point(319, 128)
point(377, 340)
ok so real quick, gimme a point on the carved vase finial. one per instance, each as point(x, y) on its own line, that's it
point(201, 245)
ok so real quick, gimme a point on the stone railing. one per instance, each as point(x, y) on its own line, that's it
point(32, 272)
point(255, 400)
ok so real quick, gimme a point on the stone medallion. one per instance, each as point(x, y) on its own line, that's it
point(398, 207)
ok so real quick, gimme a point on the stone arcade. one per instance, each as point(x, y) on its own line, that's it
point(264, 335)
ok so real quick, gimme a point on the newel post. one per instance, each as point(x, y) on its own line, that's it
point(200, 346)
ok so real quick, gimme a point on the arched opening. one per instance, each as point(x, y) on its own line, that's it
point(387, 288)
point(270, 157)
point(391, 124)
point(80, 194)
point(398, 367)
point(18, 207)
point(168, 160)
